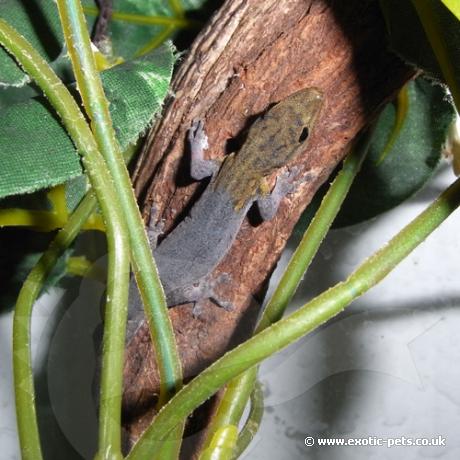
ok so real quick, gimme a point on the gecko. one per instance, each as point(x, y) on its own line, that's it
point(188, 255)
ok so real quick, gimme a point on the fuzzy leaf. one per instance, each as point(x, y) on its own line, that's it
point(44, 33)
point(139, 26)
point(399, 165)
point(36, 151)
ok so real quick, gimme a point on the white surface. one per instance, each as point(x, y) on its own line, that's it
point(387, 367)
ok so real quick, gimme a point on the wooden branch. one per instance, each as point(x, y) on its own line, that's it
point(251, 54)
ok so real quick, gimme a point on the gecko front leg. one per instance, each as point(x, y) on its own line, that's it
point(200, 168)
point(285, 183)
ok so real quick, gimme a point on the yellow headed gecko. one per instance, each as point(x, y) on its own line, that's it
point(187, 257)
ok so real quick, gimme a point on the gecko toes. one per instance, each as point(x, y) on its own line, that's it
point(196, 134)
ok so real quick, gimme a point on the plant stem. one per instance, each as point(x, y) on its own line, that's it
point(118, 246)
point(315, 233)
point(453, 6)
point(251, 427)
point(90, 87)
point(429, 15)
point(24, 385)
point(298, 324)
point(238, 390)
point(96, 105)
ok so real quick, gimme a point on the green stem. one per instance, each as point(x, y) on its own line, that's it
point(453, 6)
point(145, 270)
point(440, 43)
point(118, 247)
point(226, 443)
point(23, 377)
point(251, 427)
point(170, 449)
point(298, 324)
point(402, 108)
point(239, 389)
point(96, 105)
point(315, 233)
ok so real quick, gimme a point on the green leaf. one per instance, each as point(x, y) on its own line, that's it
point(140, 26)
point(35, 149)
point(136, 90)
point(408, 38)
point(399, 164)
point(137, 27)
point(38, 21)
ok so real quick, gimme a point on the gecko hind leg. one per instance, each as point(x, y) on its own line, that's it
point(155, 228)
point(198, 140)
point(208, 291)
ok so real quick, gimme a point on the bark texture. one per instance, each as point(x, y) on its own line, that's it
point(251, 54)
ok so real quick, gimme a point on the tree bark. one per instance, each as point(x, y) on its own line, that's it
point(251, 54)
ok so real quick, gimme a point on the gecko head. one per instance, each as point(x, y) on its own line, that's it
point(297, 115)
point(286, 127)
point(301, 107)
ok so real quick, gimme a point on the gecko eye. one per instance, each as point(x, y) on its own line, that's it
point(304, 134)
